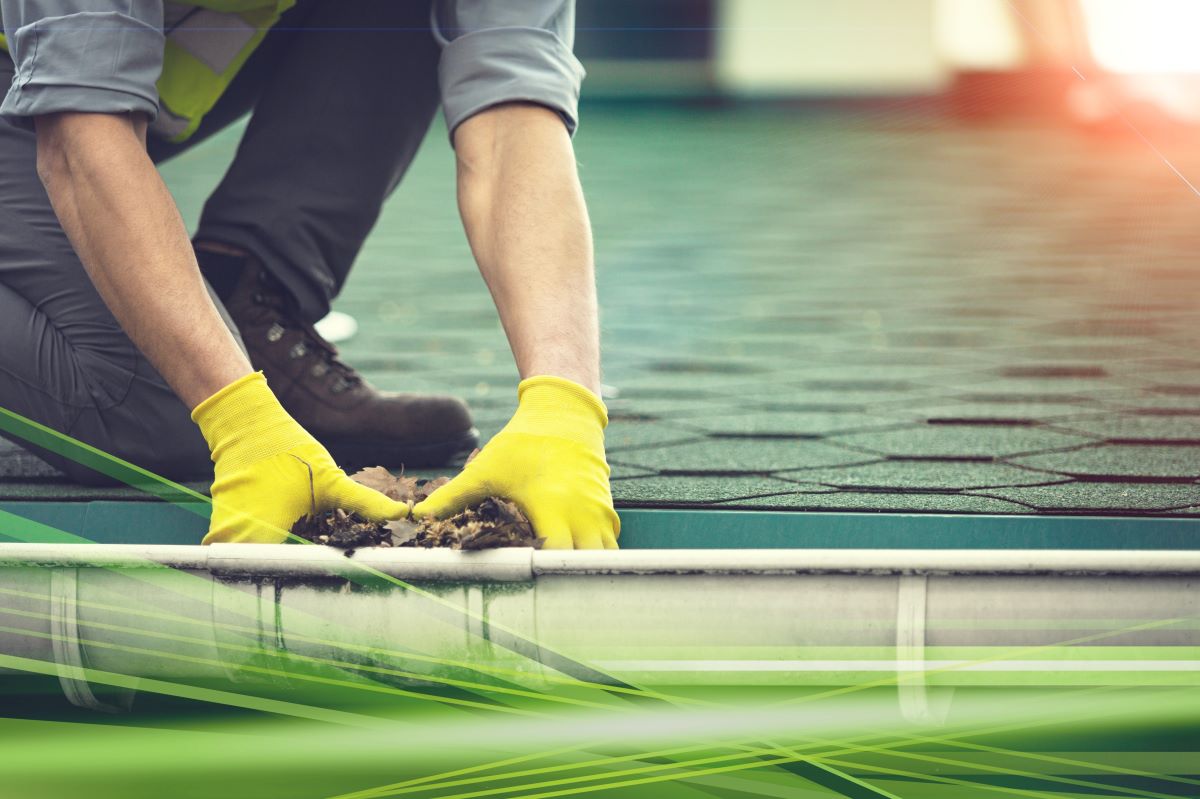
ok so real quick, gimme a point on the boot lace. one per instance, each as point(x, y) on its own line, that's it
point(271, 295)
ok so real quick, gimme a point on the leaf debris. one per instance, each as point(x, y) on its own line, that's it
point(494, 522)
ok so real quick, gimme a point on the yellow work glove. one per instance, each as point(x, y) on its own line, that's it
point(549, 460)
point(268, 471)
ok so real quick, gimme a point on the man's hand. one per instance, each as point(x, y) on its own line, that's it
point(270, 471)
point(549, 460)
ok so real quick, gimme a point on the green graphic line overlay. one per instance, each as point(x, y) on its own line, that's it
point(39, 435)
point(835, 774)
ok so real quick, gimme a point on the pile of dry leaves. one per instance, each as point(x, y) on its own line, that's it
point(495, 522)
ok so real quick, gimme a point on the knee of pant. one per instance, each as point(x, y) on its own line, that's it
point(184, 464)
point(175, 455)
point(165, 445)
point(181, 465)
point(84, 475)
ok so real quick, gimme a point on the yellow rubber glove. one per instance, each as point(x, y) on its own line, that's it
point(549, 460)
point(269, 471)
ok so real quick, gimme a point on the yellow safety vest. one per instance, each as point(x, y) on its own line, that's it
point(198, 66)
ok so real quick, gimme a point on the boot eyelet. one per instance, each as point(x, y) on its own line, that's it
point(275, 332)
point(297, 351)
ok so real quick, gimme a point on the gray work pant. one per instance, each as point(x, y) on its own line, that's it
point(337, 113)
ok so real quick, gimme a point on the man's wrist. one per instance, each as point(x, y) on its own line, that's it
point(555, 406)
point(244, 421)
point(587, 378)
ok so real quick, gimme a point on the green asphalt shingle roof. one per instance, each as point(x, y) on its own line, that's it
point(835, 311)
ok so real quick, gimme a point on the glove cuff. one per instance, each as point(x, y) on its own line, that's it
point(244, 422)
point(555, 406)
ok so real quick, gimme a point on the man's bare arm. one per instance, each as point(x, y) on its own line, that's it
point(524, 213)
point(125, 227)
point(523, 209)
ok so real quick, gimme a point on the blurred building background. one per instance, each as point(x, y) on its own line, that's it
point(1091, 60)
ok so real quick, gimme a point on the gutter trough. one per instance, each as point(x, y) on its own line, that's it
point(934, 619)
point(913, 604)
point(523, 565)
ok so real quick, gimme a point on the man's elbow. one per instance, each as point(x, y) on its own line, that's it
point(53, 162)
point(480, 139)
point(63, 139)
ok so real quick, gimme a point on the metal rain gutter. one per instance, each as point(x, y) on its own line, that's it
point(794, 618)
point(519, 564)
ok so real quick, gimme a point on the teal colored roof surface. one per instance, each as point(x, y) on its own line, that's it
point(828, 312)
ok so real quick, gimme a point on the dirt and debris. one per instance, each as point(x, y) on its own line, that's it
point(494, 522)
point(399, 487)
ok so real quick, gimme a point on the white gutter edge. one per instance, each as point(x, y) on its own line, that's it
point(869, 561)
point(103, 555)
point(272, 560)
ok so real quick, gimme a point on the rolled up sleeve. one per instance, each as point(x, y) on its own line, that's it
point(82, 55)
point(495, 52)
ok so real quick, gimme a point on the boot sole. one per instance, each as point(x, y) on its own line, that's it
point(357, 454)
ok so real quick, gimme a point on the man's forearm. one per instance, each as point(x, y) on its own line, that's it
point(126, 229)
point(525, 217)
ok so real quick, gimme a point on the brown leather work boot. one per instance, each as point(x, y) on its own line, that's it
point(360, 425)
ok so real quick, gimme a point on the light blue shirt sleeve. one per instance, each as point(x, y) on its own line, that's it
point(495, 52)
point(99, 56)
